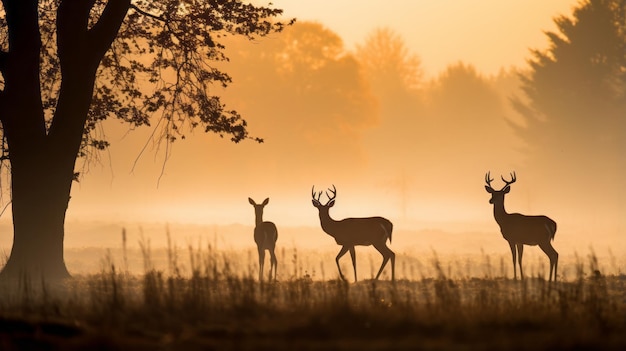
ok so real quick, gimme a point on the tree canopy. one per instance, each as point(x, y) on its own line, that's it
point(159, 70)
point(574, 99)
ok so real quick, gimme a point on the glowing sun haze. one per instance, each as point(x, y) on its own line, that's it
point(208, 180)
point(489, 34)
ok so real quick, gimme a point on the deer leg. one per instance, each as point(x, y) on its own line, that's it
point(353, 257)
point(387, 254)
point(520, 252)
point(339, 255)
point(393, 265)
point(556, 261)
point(514, 259)
point(261, 260)
point(553, 256)
point(273, 263)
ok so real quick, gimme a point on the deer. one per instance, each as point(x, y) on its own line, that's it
point(350, 232)
point(265, 236)
point(520, 230)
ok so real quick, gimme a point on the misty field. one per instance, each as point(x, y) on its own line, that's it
point(200, 298)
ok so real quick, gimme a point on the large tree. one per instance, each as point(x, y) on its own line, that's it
point(67, 65)
point(574, 102)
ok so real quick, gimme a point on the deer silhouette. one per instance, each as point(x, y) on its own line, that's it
point(350, 232)
point(520, 230)
point(265, 236)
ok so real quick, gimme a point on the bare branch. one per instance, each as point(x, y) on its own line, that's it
point(145, 13)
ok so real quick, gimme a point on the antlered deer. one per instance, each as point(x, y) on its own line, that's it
point(265, 236)
point(520, 230)
point(350, 232)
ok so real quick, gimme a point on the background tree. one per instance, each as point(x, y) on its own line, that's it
point(391, 68)
point(312, 97)
point(466, 117)
point(67, 65)
point(467, 128)
point(395, 77)
point(574, 104)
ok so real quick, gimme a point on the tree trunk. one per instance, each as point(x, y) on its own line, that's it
point(39, 203)
point(42, 159)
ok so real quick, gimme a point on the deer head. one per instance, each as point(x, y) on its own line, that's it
point(498, 195)
point(331, 200)
point(258, 208)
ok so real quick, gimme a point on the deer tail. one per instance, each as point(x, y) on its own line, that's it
point(551, 228)
point(388, 228)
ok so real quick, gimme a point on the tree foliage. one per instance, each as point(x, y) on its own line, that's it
point(574, 94)
point(311, 94)
point(466, 113)
point(388, 63)
point(160, 70)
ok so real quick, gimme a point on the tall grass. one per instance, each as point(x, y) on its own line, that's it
point(212, 304)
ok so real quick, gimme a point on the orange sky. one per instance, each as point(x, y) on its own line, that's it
point(490, 34)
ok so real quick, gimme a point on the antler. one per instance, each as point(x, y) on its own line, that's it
point(513, 179)
point(313, 194)
point(334, 192)
point(487, 179)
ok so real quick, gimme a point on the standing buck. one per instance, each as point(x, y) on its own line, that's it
point(350, 232)
point(520, 230)
point(265, 236)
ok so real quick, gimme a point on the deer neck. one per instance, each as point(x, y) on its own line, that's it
point(499, 213)
point(326, 222)
point(258, 218)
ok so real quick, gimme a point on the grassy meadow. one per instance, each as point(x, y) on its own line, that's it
point(196, 297)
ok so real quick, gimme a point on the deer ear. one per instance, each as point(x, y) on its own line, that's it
point(315, 203)
point(489, 189)
point(266, 201)
point(506, 189)
point(251, 201)
point(330, 203)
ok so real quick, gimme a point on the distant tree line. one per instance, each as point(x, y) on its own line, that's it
point(561, 116)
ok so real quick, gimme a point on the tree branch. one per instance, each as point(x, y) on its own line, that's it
point(22, 118)
point(72, 21)
point(147, 14)
point(102, 34)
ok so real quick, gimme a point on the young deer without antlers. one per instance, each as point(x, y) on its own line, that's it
point(350, 232)
point(520, 230)
point(265, 236)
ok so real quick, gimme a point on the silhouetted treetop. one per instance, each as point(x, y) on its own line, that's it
point(578, 85)
point(574, 97)
point(159, 69)
point(388, 62)
point(588, 52)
